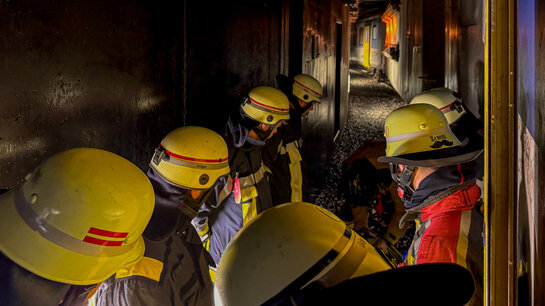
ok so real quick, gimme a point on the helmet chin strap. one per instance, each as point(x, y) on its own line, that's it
point(403, 181)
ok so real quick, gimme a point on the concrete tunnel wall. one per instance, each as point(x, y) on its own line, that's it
point(119, 77)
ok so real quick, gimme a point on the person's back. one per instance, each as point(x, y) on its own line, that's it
point(190, 167)
point(246, 132)
point(174, 269)
point(282, 152)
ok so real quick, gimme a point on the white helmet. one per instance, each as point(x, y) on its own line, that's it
point(446, 100)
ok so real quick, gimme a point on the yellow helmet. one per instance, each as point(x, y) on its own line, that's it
point(266, 105)
point(307, 88)
point(78, 217)
point(287, 247)
point(446, 100)
point(419, 135)
point(191, 157)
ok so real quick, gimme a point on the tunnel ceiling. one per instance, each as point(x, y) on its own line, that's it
point(369, 8)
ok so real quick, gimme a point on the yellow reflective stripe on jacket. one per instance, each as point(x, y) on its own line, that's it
point(206, 243)
point(411, 256)
point(463, 243)
point(249, 211)
point(147, 267)
point(248, 193)
point(204, 230)
point(212, 274)
point(296, 175)
point(254, 178)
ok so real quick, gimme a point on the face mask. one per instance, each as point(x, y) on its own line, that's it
point(403, 177)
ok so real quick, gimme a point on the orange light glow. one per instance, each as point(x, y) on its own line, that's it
point(390, 19)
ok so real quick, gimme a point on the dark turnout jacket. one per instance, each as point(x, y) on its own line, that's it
point(283, 157)
point(282, 152)
point(219, 225)
point(174, 269)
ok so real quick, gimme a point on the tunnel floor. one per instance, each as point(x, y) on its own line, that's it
point(369, 104)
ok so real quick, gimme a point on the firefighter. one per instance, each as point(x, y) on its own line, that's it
point(189, 167)
point(282, 153)
point(437, 183)
point(77, 218)
point(310, 257)
point(247, 130)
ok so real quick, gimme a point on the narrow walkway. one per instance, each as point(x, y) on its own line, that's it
point(369, 104)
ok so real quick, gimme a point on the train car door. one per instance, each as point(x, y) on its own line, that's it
point(366, 46)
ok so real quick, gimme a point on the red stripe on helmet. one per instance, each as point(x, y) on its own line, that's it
point(319, 95)
point(442, 108)
point(105, 233)
point(198, 160)
point(267, 106)
point(97, 241)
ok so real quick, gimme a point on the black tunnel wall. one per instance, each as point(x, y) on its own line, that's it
point(232, 48)
point(86, 73)
point(121, 76)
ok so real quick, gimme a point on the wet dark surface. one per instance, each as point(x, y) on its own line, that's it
point(369, 104)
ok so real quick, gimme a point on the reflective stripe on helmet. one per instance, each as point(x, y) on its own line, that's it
point(189, 162)
point(412, 135)
point(266, 108)
point(445, 109)
point(94, 246)
point(197, 160)
point(313, 91)
point(211, 164)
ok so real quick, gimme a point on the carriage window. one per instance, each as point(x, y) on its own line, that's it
point(360, 35)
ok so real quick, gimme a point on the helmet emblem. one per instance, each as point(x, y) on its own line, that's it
point(440, 143)
point(305, 97)
point(269, 118)
point(203, 179)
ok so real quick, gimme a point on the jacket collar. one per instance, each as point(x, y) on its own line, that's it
point(439, 181)
point(437, 186)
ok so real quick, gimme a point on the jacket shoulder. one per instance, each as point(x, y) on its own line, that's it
point(134, 285)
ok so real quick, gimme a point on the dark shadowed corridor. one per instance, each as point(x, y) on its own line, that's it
point(368, 105)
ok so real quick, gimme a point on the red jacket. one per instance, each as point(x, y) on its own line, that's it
point(449, 231)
